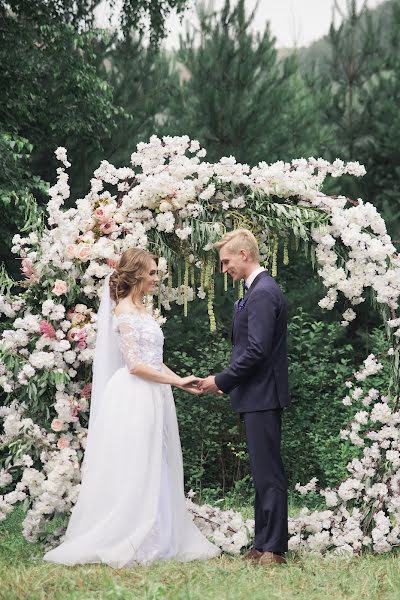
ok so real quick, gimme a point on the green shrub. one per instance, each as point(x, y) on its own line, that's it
point(321, 358)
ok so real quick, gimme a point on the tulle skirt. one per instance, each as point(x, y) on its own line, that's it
point(131, 505)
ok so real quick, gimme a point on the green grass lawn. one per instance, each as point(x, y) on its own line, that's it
point(24, 576)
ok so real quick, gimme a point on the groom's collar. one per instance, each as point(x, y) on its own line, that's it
point(250, 279)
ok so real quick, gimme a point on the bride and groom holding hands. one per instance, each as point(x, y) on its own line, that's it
point(131, 505)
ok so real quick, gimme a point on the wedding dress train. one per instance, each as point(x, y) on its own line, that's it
point(131, 505)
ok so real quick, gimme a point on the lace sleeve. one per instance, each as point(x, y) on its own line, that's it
point(129, 339)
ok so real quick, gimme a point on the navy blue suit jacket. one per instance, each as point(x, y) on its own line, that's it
point(257, 378)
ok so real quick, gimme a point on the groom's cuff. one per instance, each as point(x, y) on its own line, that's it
point(221, 383)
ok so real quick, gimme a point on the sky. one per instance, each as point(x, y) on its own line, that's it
point(292, 22)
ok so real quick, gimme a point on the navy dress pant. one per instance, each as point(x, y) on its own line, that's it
point(263, 432)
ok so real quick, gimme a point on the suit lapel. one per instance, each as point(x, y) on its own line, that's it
point(246, 297)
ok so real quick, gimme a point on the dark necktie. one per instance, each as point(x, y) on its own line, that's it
point(239, 302)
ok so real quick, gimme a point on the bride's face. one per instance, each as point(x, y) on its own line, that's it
point(150, 279)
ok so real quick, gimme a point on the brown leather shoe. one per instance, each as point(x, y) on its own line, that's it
point(270, 558)
point(252, 554)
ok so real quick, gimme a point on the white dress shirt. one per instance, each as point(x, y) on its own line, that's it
point(252, 276)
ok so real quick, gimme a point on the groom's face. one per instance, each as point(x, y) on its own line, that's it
point(233, 263)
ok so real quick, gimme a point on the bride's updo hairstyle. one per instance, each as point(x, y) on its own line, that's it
point(128, 275)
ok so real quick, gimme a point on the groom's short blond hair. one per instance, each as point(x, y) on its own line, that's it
point(239, 239)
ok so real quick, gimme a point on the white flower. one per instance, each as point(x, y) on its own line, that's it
point(183, 233)
point(5, 478)
point(349, 315)
point(208, 192)
point(238, 202)
point(42, 360)
point(361, 417)
point(309, 487)
point(61, 155)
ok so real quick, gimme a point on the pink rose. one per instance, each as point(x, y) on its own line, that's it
point(57, 425)
point(27, 267)
point(47, 329)
point(78, 318)
point(74, 411)
point(63, 442)
point(60, 287)
point(111, 263)
point(70, 251)
point(87, 390)
point(81, 345)
point(100, 214)
point(108, 226)
point(83, 251)
point(72, 335)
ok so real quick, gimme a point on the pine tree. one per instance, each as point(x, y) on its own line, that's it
point(236, 96)
point(360, 92)
point(140, 78)
point(382, 132)
point(355, 57)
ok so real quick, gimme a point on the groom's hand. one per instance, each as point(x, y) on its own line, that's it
point(208, 385)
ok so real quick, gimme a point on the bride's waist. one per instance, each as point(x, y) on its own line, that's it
point(156, 366)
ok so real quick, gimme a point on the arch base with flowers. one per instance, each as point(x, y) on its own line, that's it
point(176, 204)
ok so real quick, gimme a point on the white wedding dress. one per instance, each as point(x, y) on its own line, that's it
point(131, 505)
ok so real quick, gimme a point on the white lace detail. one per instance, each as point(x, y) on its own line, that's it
point(141, 339)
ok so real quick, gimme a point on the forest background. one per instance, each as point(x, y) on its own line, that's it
point(98, 93)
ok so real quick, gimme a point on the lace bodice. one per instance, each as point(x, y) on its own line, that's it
point(141, 339)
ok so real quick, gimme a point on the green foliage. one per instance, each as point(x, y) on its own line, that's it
point(356, 84)
point(51, 93)
point(321, 359)
point(320, 362)
point(381, 129)
point(207, 424)
point(51, 96)
point(236, 97)
point(141, 79)
point(17, 184)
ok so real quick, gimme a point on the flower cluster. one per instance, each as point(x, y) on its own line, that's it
point(170, 199)
point(364, 510)
point(225, 528)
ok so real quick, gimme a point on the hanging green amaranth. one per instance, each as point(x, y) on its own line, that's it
point(225, 281)
point(210, 299)
point(179, 276)
point(241, 289)
point(207, 273)
point(274, 269)
point(192, 277)
point(202, 274)
point(185, 287)
point(285, 252)
point(169, 279)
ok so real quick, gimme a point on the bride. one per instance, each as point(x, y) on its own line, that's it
point(131, 505)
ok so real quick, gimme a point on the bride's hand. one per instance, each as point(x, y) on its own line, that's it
point(189, 384)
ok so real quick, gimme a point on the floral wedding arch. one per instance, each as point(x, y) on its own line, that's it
point(174, 203)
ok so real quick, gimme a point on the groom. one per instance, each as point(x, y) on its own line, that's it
point(257, 381)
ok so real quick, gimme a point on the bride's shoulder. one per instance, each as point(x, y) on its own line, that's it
point(126, 310)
